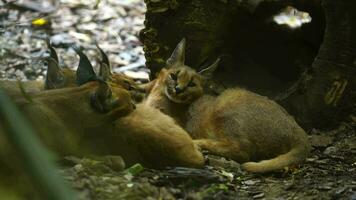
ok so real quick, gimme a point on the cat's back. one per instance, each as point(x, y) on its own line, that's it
point(244, 115)
point(243, 103)
point(250, 111)
point(13, 88)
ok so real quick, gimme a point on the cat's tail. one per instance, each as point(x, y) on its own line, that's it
point(295, 156)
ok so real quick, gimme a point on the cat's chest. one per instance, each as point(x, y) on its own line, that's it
point(176, 111)
point(199, 121)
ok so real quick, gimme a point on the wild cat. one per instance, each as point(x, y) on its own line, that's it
point(238, 124)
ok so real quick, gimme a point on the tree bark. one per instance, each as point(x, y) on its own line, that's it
point(310, 71)
point(328, 92)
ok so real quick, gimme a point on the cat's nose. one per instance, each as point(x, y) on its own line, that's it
point(178, 90)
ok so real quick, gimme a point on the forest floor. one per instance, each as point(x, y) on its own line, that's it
point(328, 173)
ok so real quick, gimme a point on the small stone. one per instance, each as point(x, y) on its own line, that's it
point(258, 196)
point(340, 191)
point(78, 167)
point(251, 182)
point(126, 56)
point(115, 162)
point(326, 186)
point(312, 159)
point(353, 196)
point(320, 141)
point(330, 150)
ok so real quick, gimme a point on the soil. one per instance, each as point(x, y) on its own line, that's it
point(328, 173)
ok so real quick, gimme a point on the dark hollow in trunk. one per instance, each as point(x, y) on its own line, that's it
point(310, 70)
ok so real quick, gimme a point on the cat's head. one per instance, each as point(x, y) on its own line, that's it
point(182, 83)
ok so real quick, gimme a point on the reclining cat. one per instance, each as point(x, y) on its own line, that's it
point(96, 118)
point(237, 124)
point(58, 77)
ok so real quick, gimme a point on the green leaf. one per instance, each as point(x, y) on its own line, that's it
point(135, 169)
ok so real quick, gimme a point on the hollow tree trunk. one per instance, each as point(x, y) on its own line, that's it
point(310, 71)
point(329, 92)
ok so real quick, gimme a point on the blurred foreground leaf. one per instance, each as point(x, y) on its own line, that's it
point(38, 160)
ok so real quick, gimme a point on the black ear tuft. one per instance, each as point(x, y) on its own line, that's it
point(55, 77)
point(85, 71)
point(53, 52)
point(104, 57)
point(178, 55)
point(105, 72)
point(105, 68)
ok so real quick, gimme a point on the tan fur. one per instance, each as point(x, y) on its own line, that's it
point(13, 88)
point(136, 90)
point(160, 141)
point(238, 124)
point(162, 92)
point(67, 123)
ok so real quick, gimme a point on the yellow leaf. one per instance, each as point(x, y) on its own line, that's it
point(39, 22)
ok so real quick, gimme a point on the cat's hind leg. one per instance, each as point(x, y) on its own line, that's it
point(225, 148)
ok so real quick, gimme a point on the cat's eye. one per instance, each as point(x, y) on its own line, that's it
point(173, 76)
point(191, 84)
point(128, 85)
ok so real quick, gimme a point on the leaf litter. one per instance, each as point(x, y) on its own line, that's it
point(114, 25)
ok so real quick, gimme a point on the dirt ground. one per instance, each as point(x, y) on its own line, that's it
point(328, 173)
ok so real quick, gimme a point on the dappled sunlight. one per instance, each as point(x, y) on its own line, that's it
point(292, 17)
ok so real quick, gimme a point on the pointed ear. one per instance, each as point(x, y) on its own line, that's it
point(208, 72)
point(105, 72)
point(178, 55)
point(105, 68)
point(85, 71)
point(55, 77)
point(102, 100)
point(104, 57)
point(53, 53)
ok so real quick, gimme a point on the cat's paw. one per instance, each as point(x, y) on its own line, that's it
point(199, 144)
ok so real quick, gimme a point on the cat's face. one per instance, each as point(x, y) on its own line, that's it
point(182, 83)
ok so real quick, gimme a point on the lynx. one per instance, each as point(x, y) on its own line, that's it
point(238, 124)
